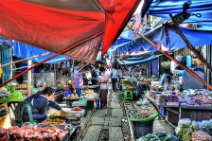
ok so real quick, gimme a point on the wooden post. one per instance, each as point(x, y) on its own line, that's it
point(173, 59)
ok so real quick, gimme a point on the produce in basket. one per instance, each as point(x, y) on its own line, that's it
point(53, 121)
point(201, 136)
point(159, 137)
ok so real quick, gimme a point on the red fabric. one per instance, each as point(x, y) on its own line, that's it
point(86, 52)
point(55, 27)
point(49, 28)
point(118, 13)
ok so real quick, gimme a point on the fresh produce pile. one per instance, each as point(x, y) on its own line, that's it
point(145, 110)
point(53, 121)
point(21, 86)
point(31, 133)
point(128, 87)
point(188, 130)
point(187, 97)
point(56, 113)
point(201, 136)
point(140, 115)
point(159, 137)
point(88, 92)
point(196, 97)
point(76, 109)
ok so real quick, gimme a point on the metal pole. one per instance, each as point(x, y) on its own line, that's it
point(11, 60)
point(55, 74)
point(23, 60)
point(29, 81)
point(53, 56)
point(173, 59)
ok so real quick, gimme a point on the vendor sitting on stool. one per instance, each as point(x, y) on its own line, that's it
point(39, 103)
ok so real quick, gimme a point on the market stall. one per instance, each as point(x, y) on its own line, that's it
point(193, 104)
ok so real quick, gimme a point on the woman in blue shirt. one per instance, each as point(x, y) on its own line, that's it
point(39, 103)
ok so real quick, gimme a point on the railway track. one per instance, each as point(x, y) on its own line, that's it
point(106, 124)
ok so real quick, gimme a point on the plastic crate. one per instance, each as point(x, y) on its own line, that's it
point(142, 128)
point(128, 95)
point(11, 88)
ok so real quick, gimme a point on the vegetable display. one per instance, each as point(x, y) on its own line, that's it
point(201, 136)
point(159, 137)
point(188, 130)
point(30, 133)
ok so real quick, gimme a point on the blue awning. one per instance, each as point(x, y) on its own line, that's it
point(163, 8)
point(25, 51)
point(137, 61)
point(172, 41)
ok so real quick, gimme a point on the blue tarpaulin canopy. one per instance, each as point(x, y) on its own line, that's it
point(25, 51)
point(163, 8)
point(135, 61)
point(171, 40)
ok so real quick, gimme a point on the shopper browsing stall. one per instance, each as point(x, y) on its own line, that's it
point(103, 86)
point(39, 103)
point(78, 80)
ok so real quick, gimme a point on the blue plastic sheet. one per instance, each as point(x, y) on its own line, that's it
point(163, 8)
point(25, 51)
point(139, 61)
point(171, 40)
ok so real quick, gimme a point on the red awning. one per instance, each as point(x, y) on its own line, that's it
point(56, 25)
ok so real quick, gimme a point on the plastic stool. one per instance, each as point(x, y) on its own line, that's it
point(128, 95)
point(18, 108)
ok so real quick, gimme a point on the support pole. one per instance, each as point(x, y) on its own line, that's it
point(23, 60)
point(173, 59)
point(55, 74)
point(196, 52)
point(53, 56)
point(29, 80)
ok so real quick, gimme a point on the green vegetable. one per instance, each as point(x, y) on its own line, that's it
point(207, 128)
point(188, 134)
